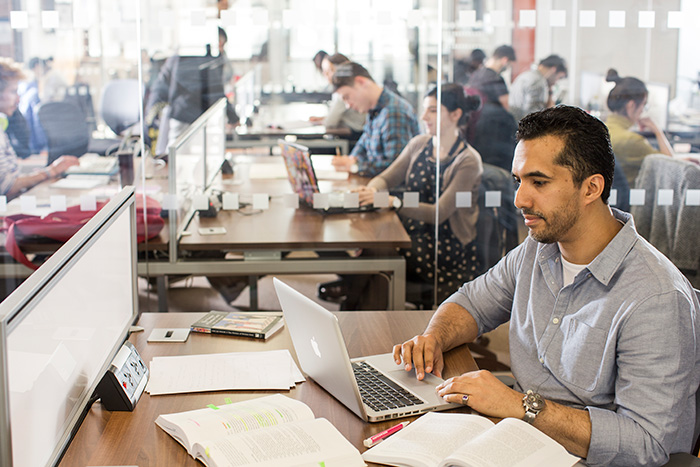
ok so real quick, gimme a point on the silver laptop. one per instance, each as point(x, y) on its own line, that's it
point(323, 356)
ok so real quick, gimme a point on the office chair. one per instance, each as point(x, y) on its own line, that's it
point(66, 130)
point(672, 228)
point(79, 95)
point(119, 106)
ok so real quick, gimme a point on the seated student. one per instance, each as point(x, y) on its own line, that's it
point(415, 170)
point(626, 101)
point(339, 116)
point(603, 328)
point(391, 121)
point(532, 89)
point(11, 182)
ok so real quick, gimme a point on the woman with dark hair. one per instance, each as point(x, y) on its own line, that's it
point(626, 101)
point(339, 116)
point(416, 170)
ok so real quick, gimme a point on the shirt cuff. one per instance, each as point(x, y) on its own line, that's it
point(605, 436)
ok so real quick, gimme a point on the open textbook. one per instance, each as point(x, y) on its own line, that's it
point(266, 432)
point(462, 440)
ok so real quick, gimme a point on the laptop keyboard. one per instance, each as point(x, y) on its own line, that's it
point(379, 392)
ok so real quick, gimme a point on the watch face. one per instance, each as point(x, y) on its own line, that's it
point(535, 401)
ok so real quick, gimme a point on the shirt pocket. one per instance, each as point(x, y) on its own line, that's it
point(582, 350)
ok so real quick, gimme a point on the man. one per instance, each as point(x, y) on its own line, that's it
point(602, 326)
point(532, 89)
point(390, 123)
point(487, 79)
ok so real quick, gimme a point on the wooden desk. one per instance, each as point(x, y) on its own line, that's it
point(132, 438)
point(263, 235)
point(275, 121)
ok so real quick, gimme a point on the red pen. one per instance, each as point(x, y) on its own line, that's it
point(372, 440)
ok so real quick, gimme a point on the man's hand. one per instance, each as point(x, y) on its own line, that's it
point(487, 394)
point(343, 163)
point(62, 164)
point(424, 352)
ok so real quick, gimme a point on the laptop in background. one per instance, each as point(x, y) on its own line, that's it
point(304, 181)
point(323, 356)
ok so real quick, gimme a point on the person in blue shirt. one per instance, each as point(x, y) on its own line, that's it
point(390, 125)
point(604, 329)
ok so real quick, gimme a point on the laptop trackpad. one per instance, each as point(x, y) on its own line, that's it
point(424, 389)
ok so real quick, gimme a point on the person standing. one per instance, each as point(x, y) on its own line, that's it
point(488, 80)
point(532, 89)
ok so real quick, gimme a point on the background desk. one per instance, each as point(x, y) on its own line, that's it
point(263, 236)
point(274, 121)
point(132, 438)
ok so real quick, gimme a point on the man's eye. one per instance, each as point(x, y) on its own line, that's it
point(538, 182)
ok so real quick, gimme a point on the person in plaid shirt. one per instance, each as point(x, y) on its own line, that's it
point(391, 121)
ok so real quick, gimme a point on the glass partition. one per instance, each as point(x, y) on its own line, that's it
point(563, 54)
point(108, 57)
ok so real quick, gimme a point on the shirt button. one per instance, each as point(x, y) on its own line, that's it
point(555, 320)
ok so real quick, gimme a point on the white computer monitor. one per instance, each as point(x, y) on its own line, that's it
point(60, 330)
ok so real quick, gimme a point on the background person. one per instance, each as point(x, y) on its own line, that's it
point(603, 327)
point(339, 116)
point(488, 80)
point(390, 124)
point(626, 101)
point(11, 182)
point(532, 89)
point(415, 170)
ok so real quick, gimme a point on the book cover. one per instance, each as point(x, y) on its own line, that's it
point(259, 326)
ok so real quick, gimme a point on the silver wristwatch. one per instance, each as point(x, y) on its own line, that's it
point(533, 403)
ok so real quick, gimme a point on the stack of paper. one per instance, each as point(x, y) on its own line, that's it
point(273, 369)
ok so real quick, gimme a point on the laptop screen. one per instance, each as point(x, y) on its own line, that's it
point(300, 171)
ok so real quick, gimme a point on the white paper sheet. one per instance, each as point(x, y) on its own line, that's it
point(273, 369)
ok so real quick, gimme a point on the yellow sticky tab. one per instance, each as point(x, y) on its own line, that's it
point(212, 406)
point(321, 464)
point(227, 400)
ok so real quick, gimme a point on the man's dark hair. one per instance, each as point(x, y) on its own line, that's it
point(555, 61)
point(587, 149)
point(318, 58)
point(504, 51)
point(346, 73)
point(222, 34)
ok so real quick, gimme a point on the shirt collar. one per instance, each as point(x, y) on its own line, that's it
point(605, 265)
point(382, 102)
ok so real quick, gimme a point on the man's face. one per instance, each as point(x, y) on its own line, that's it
point(355, 97)
point(555, 77)
point(547, 196)
point(9, 98)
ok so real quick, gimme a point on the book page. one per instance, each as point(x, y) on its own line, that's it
point(428, 440)
point(511, 443)
point(204, 424)
point(309, 442)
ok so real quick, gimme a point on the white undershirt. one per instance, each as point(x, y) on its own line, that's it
point(570, 270)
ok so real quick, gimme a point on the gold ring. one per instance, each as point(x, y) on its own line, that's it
point(465, 399)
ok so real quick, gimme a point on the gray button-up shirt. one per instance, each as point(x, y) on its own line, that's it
point(621, 341)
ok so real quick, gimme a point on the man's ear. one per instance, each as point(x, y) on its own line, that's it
point(360, 81)
point(594, 186)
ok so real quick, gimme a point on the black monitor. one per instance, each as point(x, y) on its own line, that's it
point(60, 330)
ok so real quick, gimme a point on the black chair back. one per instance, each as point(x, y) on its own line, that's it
point(66, 130)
